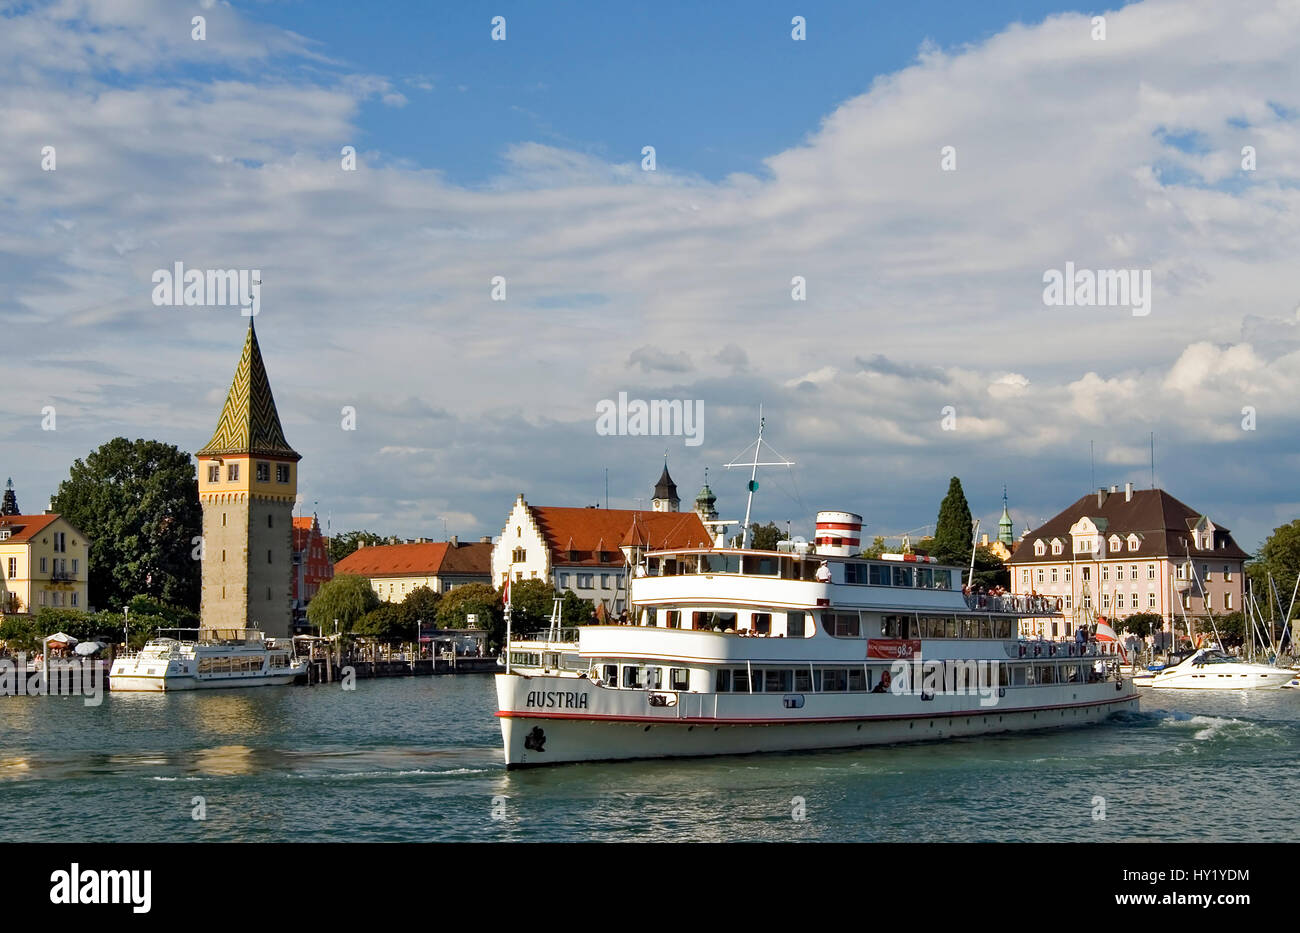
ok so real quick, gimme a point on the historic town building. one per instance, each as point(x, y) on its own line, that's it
point(1119, 552)
point(581, 549)
point(396, 569)
point(312, 566)
point(44, 562)
point(248, 483)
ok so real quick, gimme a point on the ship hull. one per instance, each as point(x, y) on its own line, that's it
point(559, 720)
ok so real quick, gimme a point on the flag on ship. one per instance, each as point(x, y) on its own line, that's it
point(1107, 634)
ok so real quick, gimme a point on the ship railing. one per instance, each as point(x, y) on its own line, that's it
point(1014, 603)
point(562, 636)
point(1044, 649)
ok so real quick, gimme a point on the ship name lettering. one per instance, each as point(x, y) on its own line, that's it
point(556, 699)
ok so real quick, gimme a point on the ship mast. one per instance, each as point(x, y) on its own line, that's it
point(753, 473)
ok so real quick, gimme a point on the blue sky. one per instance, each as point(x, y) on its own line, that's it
point(776, 159)
point(715, 87)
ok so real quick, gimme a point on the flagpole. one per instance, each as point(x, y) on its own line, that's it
point(508, 617)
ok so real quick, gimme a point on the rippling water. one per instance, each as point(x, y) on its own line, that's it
point(418, 759)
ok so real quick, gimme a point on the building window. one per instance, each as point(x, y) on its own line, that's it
point(1105, 600)
point(1105, 571)
point(1132, 542)
point(1114, 544)
point(214, 473)
point(1151, 571)
point(1067, 601)
point(1227, 572)
point(263, 472)
point(74, 566)
point(73, 599)
point(13, 567)
point(1187, 600)
point(1151, 600)
point(1040, 548)
point(1205, 572)
point(43, 564)
point(1068, 574)
point(232, 473)
point(1119, 601)
point(1227, 601)
point(564, 581)
point(282, 472)
point(269, 522)
point(1024, 577)
point(1053, 574)
point(1040, 574)
point(604, 581)
point(586, 581)
point(518, 556)
point(1056, 546)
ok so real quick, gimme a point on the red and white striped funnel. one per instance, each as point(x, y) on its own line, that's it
point(839, 534)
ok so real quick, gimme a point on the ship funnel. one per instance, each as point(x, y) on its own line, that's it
point(839, 534)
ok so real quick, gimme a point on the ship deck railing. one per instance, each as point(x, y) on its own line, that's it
point(1014, 604)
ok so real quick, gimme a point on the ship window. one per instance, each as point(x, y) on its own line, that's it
point(740, 681)
point(632, 677)
point(841, 624)
point(679, 678)
point(673, 618)
point(611, 675)
point(879, 575)
point(794, 624)
point(803, 680)
point(654, 678)
point(857, 679)
point(925, 578)
point(778, 681)
point(943, 579)
point(902, 576)
point(722, 683)
point(762, 623)
point(650, 617)
point(1047, 674)
point(834, 679)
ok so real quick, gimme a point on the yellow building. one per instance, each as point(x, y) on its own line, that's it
point(43, 560)
point(248, 482)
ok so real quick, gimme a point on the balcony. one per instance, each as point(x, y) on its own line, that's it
point(62, 576)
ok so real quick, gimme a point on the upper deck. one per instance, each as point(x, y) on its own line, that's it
point(730, 576)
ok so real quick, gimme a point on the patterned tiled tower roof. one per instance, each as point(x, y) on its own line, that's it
point(249, 422)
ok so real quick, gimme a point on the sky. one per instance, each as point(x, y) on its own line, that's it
point(921, 346)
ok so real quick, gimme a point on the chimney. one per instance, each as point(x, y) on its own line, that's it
point(1101, 496)
point(984, 540)
point(360, 545)
point(486, 539)
point(452, 541)
point(1128, 492)
point(1114, 488)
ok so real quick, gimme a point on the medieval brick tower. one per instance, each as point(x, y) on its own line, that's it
point(248, 484)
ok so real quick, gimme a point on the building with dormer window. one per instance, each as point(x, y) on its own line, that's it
point(1131, 551)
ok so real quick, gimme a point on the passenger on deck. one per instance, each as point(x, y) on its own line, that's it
point(824, 573)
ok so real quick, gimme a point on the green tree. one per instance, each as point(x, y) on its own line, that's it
point(385, 623)
point(877, 548)
point(989, 569)
point(346, 598)
point(765, 537)
point(478, 599)
point(1231, 627)
point(1141, 624)
point(138, 503)
point(420, 605)
point(341, 545)
point(1278, 557)
point(575, 610)
point(531, 604)
point(952, 531)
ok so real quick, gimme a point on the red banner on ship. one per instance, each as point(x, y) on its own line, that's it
point(892, 649)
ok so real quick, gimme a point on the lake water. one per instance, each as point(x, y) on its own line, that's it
point(419, 759)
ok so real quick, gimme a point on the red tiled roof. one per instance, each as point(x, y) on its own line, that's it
point(302, 532)
point(587, 531)
point(24, 526)
point(430, 559)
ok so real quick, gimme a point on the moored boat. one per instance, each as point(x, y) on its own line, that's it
point(212, 658)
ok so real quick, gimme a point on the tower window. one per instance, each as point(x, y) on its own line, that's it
point(232, 473)
point(282, 473)
point(223, 519)
point(223, 559)
point(269, 522)
point(268, 555)
point(214, 473)
point(263, 472)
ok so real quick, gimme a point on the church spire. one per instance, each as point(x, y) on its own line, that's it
point(1005, 531)
point(665, 498)
point(249, 421)
point(10, 505)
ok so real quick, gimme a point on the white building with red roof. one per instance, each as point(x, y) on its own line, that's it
point(44, 561)
point(394, 570)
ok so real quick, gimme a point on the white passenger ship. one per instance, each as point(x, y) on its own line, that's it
point(213, 658)
point(734, 651)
